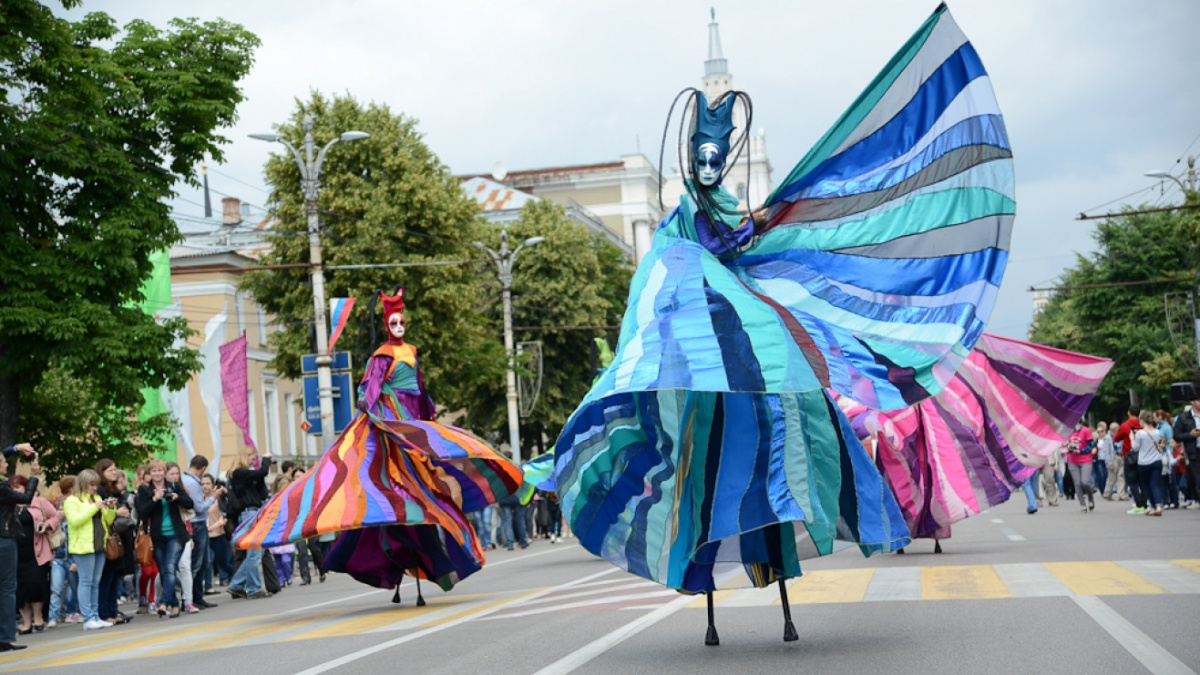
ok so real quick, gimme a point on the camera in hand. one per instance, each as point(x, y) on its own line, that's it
point(167, 491)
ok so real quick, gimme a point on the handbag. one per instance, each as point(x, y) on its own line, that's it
point(143, 548)
point(113, 548)
point(57, 537)
point(123, 524)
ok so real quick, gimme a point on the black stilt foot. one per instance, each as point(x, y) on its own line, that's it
point(396, 597)
point(937, 547)
point(789, 629)
point(900, 551)
point(711, 639)
point(420, 598)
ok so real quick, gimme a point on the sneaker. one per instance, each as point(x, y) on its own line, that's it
point(73, 618)
point(51, 623)
point(236, 593)
point(96, 625)
point(259, 595)
point(191, 609)
point(1136, 510)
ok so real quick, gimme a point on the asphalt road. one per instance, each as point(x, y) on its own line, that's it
point(1054, 592)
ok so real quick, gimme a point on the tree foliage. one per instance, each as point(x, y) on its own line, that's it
point(1124, 319)
point(572, 279)
point(385, 200)
point(96, 126)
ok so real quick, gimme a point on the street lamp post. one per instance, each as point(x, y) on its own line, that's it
point(504, 259)
point(310, 186)
point(1189, 189)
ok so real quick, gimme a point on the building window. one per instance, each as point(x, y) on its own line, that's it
point(262, 325)
point(271, 418)
point(741, 191)
point(240, 311)
point(289, 410)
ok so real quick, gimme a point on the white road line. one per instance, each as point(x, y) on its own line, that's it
point(582, 656)
point(1030, 580)
point(1012, 534)
point(363, 653)
point(997, 520)
point(1168, 575)
point(583, 603)
point(590, 592)
point(1149, 653)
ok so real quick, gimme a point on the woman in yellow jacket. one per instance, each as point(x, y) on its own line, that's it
point(89, 519)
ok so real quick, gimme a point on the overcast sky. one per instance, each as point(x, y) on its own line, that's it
point(1095, 92)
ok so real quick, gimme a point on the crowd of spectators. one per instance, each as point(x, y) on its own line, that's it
point(92, 543)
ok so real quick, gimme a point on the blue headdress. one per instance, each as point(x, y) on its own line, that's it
point(713, 126)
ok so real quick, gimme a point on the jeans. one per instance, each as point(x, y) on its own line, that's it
point(1100, 476)
point(8, 590)
point(248, 577)
point(1049, 488)
point(1134, 484)
point(1150, 477)
point(167, 553)
point(184, 575)
point(309, 549)
point(1030, 486)
point(1081, 475)
point(222, 558)
point(513, 516)
point(64, 589)
point(1116, 479)
point(200, 570)
point(482, 520)
point(91, 567)
point(110, 589)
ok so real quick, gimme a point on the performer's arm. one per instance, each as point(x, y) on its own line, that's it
point(373, 380)
point(428, 410)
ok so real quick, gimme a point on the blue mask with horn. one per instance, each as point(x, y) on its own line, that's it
point(710, 140)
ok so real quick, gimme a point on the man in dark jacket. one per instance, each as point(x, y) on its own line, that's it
point(10, 529)
point(1186, 431)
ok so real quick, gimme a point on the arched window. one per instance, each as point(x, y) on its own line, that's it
point(741, 191)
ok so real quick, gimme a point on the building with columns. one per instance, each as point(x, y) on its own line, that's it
point(623, 193)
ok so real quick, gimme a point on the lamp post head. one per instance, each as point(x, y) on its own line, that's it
point(1158, 174)
point(533, 241)
point(354, 136)
point(270, 138)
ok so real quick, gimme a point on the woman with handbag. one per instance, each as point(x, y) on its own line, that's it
point(115, 568)
point(90, 520)
point(38, 519)
point(159, 503)
point(10, 531)
point(184, 573)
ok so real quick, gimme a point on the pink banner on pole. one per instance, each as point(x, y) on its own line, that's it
point(234, 376)
point(339, 313)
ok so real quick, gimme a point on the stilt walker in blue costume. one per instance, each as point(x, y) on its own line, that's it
point(709, 454)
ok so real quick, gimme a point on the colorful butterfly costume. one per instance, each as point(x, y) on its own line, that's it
point(1009, 407)
point(709, 453)
point(395, 484)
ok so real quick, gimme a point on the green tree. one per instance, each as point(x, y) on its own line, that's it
point(385, 200)
point(1104, 309)
point(572, 279)
point(96, 127)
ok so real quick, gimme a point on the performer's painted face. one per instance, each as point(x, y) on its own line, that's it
point(395, 325)
point(709, 162)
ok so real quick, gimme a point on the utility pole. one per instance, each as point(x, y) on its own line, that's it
point(310, 186)
point(1189, 186)
point(504, 259)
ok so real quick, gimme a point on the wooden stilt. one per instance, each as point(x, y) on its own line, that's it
point(789, 629)
point(711, 639)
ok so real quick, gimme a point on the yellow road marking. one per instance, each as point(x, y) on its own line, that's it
point(379, 617)
point(830, 586)
point(1192, 564)
point(962, 582)
point(1101, 578)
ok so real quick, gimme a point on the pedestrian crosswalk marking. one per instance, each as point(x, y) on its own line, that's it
point(1102, 578)
point(830, 586)
point(962, 582)
point(363, 621)
point(1192, 564)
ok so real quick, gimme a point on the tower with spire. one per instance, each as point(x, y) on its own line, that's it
point(717, 79)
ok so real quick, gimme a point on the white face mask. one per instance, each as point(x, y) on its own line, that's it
point(395, 325)
point(709, 163)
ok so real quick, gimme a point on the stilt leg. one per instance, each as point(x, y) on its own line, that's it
point(789, 630)
point(396, 597)
point(420, 598)
point(937, 546)
point(711, 639)
point(900, 551)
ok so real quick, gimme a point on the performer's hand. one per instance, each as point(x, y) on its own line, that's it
point(760, 216)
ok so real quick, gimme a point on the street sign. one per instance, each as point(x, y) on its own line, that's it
point(305, 426)
point(341, 361)
point(343, 402)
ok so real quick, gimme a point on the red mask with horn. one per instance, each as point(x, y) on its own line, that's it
point(393, 315)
